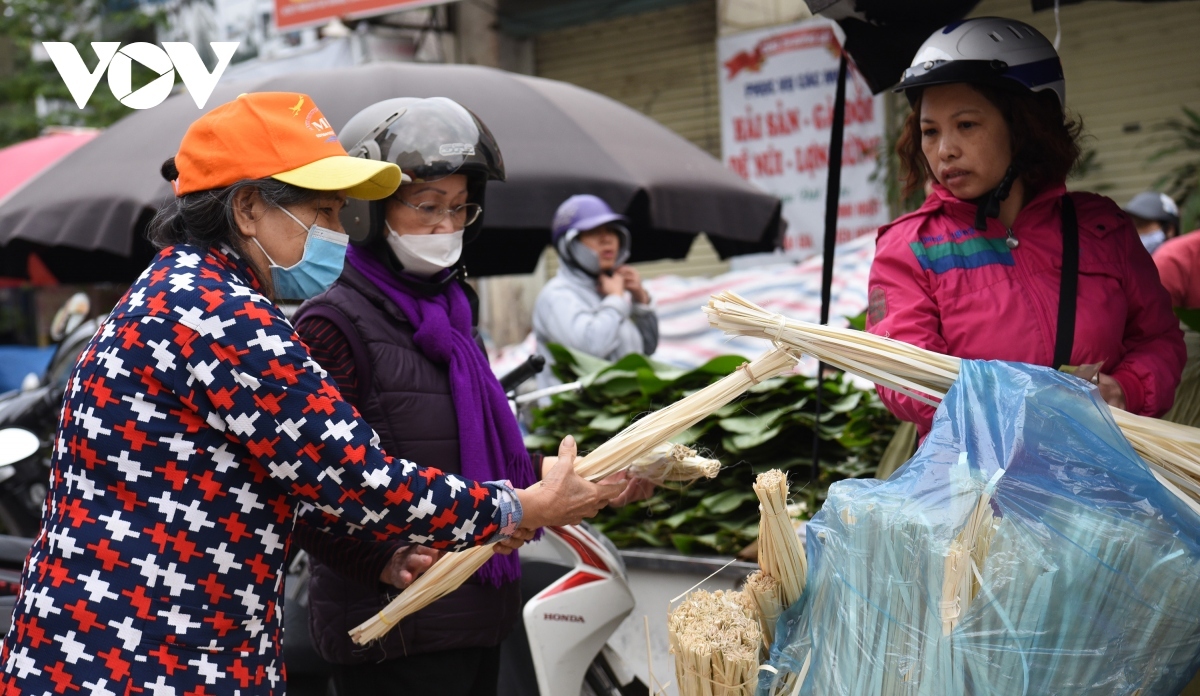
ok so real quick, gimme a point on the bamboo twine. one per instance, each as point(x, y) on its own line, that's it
point(1171, 450)
point(615, 455)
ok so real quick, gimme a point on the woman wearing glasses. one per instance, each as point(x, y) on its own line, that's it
point(397, 332)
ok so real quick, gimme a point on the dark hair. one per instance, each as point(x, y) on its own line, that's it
point(205, 218)
point(1045, 141)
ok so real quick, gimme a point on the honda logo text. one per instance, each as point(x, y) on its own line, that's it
point(172, 57)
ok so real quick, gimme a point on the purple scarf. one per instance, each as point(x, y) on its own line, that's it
point(490, 444)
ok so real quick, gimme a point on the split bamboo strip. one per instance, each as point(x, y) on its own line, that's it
point(671, 462)
point(1171, 450)
point(780, 554)
point(615, 455)
point(715, 642)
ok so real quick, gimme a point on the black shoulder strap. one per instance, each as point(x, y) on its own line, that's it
point(1064, 342)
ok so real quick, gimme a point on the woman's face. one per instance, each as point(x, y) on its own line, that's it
point(605, 242)
point(281, 237)
point(965, 139)
point(411, 208)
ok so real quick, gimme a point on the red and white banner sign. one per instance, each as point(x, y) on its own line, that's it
point(777, 93)
point(295, 14)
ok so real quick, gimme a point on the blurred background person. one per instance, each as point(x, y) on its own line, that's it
point(1178, 262)
point(1155, 216)
point(596, 303)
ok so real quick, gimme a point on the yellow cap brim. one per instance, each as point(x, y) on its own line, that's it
point(368, 180)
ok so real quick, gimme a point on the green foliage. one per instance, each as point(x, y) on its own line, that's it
point(770, 427)
point(23, 23)
point(1190, 317)
point(1182, 182)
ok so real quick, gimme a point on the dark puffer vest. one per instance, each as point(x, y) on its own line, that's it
point(406, 398)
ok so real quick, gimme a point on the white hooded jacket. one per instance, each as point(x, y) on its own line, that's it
point(570, 311)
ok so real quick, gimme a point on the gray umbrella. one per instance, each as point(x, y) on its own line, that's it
point(557, 140)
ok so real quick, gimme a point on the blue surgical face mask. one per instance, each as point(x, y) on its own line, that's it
point(324, 255)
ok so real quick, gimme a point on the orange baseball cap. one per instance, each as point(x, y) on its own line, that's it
point(281, 135)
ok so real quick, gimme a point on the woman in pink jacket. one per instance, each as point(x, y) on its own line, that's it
point(977, 271)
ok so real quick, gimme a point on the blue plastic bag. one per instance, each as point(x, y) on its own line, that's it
point(1025, 549)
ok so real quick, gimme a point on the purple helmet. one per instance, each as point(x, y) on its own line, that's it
point(583, 212)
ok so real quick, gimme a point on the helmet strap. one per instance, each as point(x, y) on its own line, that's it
point(989, 203)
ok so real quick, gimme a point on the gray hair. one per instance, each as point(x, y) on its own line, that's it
point(205, 218)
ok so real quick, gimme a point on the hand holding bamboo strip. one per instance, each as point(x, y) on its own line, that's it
point(615, 455)
point(1171, 450)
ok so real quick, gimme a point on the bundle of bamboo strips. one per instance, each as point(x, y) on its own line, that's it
point(716, 645)
point(764, 596)
point(779, 552)
point(609, 458)
point(780, 555)
point(671, 462)
point(875, 621)
point(1172, 450)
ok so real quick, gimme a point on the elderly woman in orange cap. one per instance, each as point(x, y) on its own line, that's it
point(197, 431)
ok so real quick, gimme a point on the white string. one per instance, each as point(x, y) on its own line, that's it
point(710, 577)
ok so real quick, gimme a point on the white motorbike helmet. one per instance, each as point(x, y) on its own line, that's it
point(1002, 53)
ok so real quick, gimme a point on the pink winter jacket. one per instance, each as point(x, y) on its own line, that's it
point(938, 284)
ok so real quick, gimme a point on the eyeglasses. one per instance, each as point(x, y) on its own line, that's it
point(431, 214)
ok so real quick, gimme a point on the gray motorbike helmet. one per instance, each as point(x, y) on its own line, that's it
point(1152, 205)
point(1003, 53)
point(429, 139)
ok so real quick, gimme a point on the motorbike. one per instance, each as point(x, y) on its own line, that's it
point(573, 582)
point(35, 408)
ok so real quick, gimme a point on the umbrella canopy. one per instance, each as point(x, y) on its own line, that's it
point(20, 163)
point(557, 140)
point(883, 35)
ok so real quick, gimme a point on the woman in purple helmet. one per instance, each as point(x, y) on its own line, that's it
point(596, 303)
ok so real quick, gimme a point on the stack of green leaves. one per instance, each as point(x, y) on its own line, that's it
point(770, 427)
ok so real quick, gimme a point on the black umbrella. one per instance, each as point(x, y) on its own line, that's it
point(882, 36)
point(557, 140)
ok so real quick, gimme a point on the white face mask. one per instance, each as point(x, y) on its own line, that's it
point(426, 254)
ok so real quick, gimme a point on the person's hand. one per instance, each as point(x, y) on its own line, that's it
point(564, 497)
point(637, 489)
point(514, 542)
point(1111, 392)
point(633, 283)
point(407, 564)
point(611, 284)
point(547, 466)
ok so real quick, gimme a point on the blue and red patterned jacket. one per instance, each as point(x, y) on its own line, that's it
point(195, 432)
